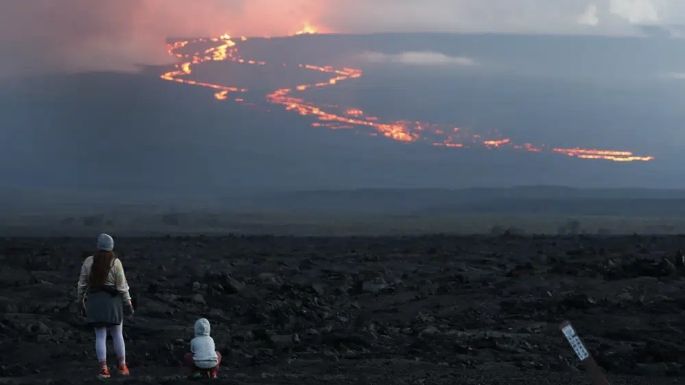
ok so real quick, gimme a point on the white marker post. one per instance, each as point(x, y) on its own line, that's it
point(596, 373)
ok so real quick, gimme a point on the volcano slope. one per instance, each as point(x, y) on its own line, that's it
point(412, 310)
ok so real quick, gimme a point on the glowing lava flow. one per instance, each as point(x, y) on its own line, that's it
point(223, 52)
point(616, 156)
point(226, 49)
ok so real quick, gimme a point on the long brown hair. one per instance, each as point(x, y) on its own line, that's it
point(102, 264)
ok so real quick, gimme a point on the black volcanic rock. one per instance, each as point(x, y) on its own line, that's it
point(472, 310)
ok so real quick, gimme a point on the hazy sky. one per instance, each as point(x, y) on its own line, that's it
point(76, 35)
point(97, 122)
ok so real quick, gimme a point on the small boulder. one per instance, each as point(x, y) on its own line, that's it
point(375, 286)
point(199, 299)
point(318, 289)
point(38, 328)
point(232, 285)
point(429, 331)
point(284, 341)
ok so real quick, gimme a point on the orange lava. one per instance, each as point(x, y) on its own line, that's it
point(226, 49)
point(616, 156)
point(221, 95)
point(496, 143)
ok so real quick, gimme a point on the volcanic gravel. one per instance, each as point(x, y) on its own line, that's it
point(410, 310)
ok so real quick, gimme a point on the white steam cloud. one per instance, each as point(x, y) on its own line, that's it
point(420, 58)
point(589, 16)
point(635, 11)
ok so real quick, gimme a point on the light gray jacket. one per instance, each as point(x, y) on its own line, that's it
point(202, 346)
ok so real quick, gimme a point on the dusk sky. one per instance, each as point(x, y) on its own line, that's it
point(74, 35)
point(388, 93)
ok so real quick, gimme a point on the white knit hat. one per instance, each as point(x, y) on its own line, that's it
point(105, 242)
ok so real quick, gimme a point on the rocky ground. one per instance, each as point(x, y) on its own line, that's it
point(421, 310)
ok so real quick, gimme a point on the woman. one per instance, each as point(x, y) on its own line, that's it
point(102, 293)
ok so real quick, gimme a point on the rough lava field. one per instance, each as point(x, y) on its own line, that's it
point(412, 310)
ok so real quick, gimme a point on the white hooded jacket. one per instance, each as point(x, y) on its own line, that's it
point(202, 346)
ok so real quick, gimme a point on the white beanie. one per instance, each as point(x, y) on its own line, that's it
point(105, 242)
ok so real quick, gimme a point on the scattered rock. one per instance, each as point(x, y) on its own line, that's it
point(232, 285)
point(461, 304)
point(284, 341)
point(199, 299)
point(38, 328)
point(197, 286)
point(429, 331)
point(318, 288)
point(375, 286)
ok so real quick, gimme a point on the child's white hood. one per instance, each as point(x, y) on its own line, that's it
point(202, 327)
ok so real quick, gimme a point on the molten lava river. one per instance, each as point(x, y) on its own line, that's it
point(227, 49)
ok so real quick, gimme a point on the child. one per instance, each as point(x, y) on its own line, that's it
point(203, 357)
